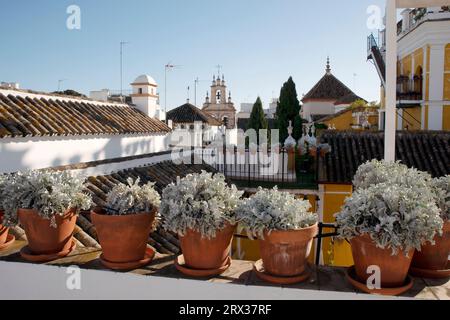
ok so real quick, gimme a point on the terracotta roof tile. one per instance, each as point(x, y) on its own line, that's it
point(25, 116)
point(162, 174)
point(188, 113)
point(329, 87)
point(425, 150)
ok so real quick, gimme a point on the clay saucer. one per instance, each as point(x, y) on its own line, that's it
point(351, 277)
point(199, 273)
point(9, 240)
point(261, 273)
point(26, 254)
point(431, 274)
point(125, 266)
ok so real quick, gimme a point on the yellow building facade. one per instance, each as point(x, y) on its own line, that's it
point(423, 70)
point(360, 118)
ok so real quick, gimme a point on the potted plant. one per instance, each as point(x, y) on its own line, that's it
point(285, 228)
point(200, 208)
point(385, 223)
point(46, 203)
point(5, 238)
point(376, 171)
point(432, 260)
point(124, 224)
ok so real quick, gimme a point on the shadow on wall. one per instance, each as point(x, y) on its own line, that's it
point(34, 153)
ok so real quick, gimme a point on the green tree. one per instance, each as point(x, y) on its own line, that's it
point(257, 119)
point(288, 109)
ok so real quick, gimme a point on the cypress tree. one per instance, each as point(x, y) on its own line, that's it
point(257, 119)
point(288, 109)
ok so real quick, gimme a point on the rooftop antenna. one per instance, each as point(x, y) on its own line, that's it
point(59, 84)
point(196, 82)
point(122, 44)
point(188, 93)
point(168, 67)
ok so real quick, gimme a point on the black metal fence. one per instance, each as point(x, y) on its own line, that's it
point(254, 167)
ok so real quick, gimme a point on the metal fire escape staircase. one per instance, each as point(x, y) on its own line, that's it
point(374, 54)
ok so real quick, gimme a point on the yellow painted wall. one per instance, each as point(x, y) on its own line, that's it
point(447, 73)
point(341, 122)
point(446, 109)
point(406, 65)
point(337, 253)
point(446, 118)
point(418, 59)
point(408, 118)
point(447, 57)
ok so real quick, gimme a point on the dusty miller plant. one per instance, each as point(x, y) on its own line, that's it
point(202, 202)
point(441, 189)
point(3, 180)
point(131, 198)
point(51, 193)
point(375, 171)
point(395, 217)
point(270, 210)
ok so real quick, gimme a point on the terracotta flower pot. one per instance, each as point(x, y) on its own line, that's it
point(291, 159)
point(123, 238)
point(434, 257)
point(207, 254)
point(394, 269)
point(285, 253)
point(43, 239)
point(3, 230)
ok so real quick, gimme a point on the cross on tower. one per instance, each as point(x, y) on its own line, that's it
point(219, 68)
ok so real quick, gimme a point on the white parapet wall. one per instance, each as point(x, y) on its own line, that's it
point(29, 281)
point(44, 152)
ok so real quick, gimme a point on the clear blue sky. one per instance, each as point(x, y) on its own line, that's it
point(259, 43)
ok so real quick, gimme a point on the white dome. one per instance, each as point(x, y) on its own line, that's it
point(145, 79)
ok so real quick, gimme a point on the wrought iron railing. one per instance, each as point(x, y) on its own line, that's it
point(254, 167)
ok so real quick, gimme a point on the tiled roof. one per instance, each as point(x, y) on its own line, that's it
point(23, 115)
point(425, 150)
point(328, 88)
point(188, 113)
point(348, 99)
point(162, 174)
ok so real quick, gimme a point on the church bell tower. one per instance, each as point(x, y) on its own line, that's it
point(218, 104)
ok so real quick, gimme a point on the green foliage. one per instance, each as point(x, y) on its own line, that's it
point(288, 109)
point(258, 119)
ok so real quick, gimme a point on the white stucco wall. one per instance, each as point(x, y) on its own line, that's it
point(37, 152)
point(317, 107)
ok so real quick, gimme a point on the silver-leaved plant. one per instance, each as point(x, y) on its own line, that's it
point(376, 171)
point(132, 198)
point(51, 193)
point(202, 202)
point(270, 210)
point(396, 217)
point(441, 189)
